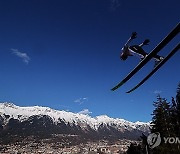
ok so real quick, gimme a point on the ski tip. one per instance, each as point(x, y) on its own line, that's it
point(117, 86)
point(113, 89)
point(130, 90)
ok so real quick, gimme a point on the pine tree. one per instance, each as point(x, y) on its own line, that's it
point(173, 117)
point(166, 121)
point(178, 111)
point(161, 121)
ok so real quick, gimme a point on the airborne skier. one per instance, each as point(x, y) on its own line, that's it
point(146, 58)
point(137, 49)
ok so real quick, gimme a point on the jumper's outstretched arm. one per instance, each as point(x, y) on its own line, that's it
point(146, 42)
point(133, 36)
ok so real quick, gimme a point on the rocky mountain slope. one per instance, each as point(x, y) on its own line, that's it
point(44, 122)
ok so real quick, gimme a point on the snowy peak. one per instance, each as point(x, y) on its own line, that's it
point(23, 113)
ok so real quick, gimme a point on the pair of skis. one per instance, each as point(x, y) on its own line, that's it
point(159, 47)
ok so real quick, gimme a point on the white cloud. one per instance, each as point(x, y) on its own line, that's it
point(85, 111)
point(115, 4)
point(22, 55)
point(157, 92)
point(81, 100)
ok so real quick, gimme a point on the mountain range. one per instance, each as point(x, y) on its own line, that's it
point(43, 122)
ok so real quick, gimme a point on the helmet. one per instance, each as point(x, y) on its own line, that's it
point(123, 56)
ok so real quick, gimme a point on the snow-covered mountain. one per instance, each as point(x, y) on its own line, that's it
point(59, 122)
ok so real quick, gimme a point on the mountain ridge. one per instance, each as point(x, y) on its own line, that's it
point(15, 111)
point(43, 122)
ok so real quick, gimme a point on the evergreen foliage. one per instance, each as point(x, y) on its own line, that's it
point(178, 111)
point(166, 121)
point(161, 119)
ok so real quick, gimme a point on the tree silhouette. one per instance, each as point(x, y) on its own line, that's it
point(161, 117)
point(166, 121)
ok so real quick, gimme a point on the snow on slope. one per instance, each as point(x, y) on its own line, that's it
point(23, 113)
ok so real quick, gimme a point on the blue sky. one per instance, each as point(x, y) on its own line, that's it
point(65, 54)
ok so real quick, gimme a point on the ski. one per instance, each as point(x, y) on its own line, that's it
point(156, 68)
point(161, 45)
